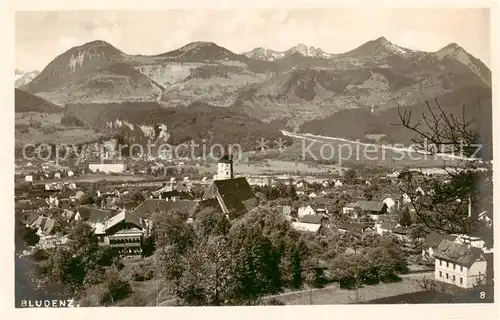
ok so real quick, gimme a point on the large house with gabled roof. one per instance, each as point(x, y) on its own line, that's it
point(123, 231)
point(459, 264)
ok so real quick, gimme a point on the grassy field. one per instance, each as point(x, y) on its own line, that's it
point(335, 295)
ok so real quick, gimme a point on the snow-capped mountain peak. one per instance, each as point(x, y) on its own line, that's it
point(270, 55)
point(308, 51)
point(24, 77)
point(261, 53)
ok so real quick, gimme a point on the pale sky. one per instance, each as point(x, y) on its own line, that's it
point(41, 36)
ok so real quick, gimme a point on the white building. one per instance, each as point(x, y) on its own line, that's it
point(304, 211)
point(459, 264)
point(107, 167)
point(28, 178)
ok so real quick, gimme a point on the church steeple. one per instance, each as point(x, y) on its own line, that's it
point(225, 167)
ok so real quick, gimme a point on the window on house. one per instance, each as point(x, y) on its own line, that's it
point(461, 280)
point(440, 262)
point(461, 268)
point(447, 264)
point(453, 277)
point(440, 274)
point(447, 276)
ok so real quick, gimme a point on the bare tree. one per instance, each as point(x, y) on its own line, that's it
point(447, 204)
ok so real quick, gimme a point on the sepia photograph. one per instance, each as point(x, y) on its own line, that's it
point(253, 157)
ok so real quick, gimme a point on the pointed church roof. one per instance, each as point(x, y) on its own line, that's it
point(236, 194)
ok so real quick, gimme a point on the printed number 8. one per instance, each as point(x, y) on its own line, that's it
point(482, 295)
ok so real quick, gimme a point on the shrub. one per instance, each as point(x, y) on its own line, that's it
point(115, 289)
point(71, 121)
point(143, 272)
point(93, 277)
point(40, 255)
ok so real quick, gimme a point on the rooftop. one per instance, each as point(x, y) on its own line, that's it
point(456, 252)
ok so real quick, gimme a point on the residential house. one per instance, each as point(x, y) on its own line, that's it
point(301, 184)
point(286, 210)
point(431, 242)
point(354, 227)
point(393, 175)
point(52, 241)
point(459, 264)
point(28, 178)
point(401, 233)
point(309, 223)
point(52, 201)
point(150, 208)
point(95, 217)
point(30, 218)
point(312, 195)
point(44, 226)
point(373, 208)
point(79, 195)
point(300, 191)
point(337, 183)
point(487, 217)
point(320, 209)
point(393, 201)
point(315, 209)
point(473, 240)
point(71, 215)
point(306, 227)
point(385, 226)
point(123, 231)
point(305, 210)
point(350, 210)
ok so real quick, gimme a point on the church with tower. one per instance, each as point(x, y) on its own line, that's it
point(235, 196)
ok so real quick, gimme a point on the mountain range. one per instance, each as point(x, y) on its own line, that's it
point(293, 87)
point(24, 77)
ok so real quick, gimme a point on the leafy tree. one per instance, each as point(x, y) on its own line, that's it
point(170, 265)
point(114, 288)
point(80, 264)
point(418, 231)
point(148, 246)
point(212, 223)
point(30, 237)
point(208, 274)
point(172, 228)
point(350, 270)
point(405, 219)
point(350, 176)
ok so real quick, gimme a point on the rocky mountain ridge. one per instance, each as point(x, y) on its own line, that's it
point(298, 85)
